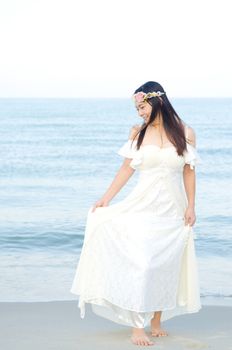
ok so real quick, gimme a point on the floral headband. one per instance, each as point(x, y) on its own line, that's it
point(142, 96)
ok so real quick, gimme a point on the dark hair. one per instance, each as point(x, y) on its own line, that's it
point(172, 123)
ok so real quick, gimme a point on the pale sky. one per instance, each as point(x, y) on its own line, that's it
point(100, 48)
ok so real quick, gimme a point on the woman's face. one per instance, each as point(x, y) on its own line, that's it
point(144, 110)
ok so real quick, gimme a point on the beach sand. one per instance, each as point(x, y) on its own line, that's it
point(57, 325)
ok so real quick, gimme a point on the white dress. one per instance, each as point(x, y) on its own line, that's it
point(138, 256)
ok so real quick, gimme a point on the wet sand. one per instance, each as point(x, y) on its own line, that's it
point(57, 325)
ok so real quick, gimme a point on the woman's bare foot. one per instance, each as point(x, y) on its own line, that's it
point(156, 330)
point(139, 337)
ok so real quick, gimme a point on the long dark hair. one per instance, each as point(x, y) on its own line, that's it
point(172, 123)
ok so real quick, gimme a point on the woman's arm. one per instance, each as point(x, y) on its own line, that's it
point(120, 179)
point(189, 177)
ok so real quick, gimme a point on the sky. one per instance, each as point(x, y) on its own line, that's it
point(100, 48)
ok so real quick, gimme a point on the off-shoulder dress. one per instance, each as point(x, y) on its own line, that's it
point(138, 256)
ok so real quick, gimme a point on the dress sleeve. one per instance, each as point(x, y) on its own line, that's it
point(191, 156)
point(127, 150)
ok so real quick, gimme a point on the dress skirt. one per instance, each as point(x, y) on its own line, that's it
point(138, 256)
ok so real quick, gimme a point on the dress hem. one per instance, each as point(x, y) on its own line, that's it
point(81, 305)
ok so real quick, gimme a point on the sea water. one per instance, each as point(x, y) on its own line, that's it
point(58, 156)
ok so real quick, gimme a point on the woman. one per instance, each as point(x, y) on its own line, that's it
point(138, 259)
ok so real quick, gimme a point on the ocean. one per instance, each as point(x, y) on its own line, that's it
point(58, 156)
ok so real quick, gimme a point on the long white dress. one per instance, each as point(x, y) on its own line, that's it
point(138, 256)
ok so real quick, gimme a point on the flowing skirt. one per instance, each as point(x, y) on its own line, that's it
point(138, 257)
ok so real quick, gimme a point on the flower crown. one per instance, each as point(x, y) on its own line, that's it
point(142, 96)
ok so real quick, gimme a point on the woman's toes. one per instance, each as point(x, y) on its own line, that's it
point(142, 341)
point(164, 334)
point(159, 333)
point(149, 342)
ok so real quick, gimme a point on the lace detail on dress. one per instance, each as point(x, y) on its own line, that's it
point(128, 150)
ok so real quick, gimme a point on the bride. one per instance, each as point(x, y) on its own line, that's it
point(138, 258)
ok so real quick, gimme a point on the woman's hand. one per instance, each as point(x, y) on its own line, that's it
point(189, 216)
point(100, 203)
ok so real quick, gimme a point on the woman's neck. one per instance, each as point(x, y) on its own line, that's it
point(158, 122)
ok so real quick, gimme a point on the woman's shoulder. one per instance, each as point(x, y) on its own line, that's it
point(134, 131)
point(190, 133)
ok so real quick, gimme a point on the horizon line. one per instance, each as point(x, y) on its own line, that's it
point(101, 97)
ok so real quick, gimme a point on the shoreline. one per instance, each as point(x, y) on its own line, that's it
point(205, 300)
point(57, 325)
